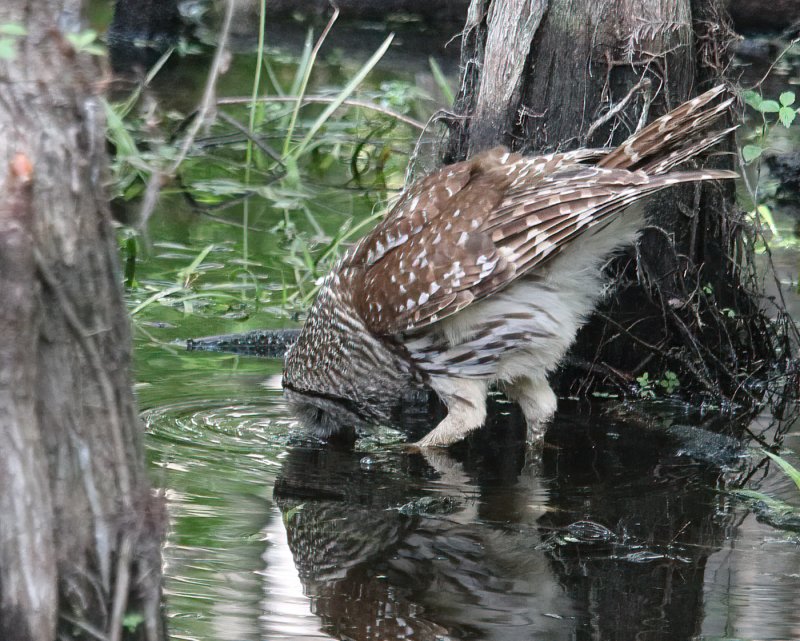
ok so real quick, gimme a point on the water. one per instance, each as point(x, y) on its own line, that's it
point(614, 530)
point(621, 526)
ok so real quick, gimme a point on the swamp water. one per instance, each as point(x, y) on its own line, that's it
point(620, 528)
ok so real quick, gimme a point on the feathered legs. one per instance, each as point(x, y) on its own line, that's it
point(537, 401)
point(466, 410)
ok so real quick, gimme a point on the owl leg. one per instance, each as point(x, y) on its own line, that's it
point(537, 401)
point(466, 410)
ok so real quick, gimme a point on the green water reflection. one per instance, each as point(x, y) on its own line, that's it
point(618, 529)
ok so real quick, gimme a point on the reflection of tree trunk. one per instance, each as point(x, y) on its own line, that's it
point(642, 576)
point(604, 535)
point(141, 31)
point(537, 75)
point(80, 532)
point(440, 11)
point(765, 15)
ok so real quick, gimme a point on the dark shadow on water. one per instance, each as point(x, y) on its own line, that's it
point(601, 534)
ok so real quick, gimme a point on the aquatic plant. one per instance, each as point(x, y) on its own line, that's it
point(284, 161)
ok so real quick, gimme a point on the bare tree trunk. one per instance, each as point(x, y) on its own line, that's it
point(558, 74)
point(80, 530)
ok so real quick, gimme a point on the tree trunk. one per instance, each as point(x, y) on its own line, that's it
point(80, 530)
point(559, 74)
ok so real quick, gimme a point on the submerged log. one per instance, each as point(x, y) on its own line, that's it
point(266, 343)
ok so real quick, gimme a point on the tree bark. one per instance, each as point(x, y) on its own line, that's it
point(561, 74)
point(80, 532)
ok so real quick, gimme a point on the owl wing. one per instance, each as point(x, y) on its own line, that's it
point(431, 261)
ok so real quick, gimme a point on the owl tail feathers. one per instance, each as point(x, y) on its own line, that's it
point(675, 137)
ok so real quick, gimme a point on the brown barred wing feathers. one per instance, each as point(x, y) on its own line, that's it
point(445, 258)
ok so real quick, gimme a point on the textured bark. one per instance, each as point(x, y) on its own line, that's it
point(80, 532)
point(572, 73)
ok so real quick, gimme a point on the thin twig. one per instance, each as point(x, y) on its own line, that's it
point(631, 335)
point(83, 625)
point(208, 103)
point(269, 151)
point(643, 82)
point(121, 587)
point(206, 107)
point(786, 50)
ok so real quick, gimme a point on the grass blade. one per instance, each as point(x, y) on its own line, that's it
point(342, 96)
point(155, 297)
point(441, 81)
point(186, 273)
point(790, 470)
point(306, 65)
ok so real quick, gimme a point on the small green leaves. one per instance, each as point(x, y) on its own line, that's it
point(751, 152)
point(11, 29)
point(8, 34)
point(645, 386)
point(86, 42)
point(787, 113)
point(783, 107)
point(759, 104)
point(752, 99)
point(132, 620)
point(670, 382)
point(648, 387)
point(768, 107)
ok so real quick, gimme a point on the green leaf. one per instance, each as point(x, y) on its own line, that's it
point(290, 514)
point(790, 470)
point(95, 50)
point(11, 29)
point(769, 107)
point(765, 213)
point(7, 49)
point(787, 98)
point(85, 42)
point(119, 136)
point(751, 152)
point(787, 115)
point(752, 98)
point(132, 620)
point(773, 505)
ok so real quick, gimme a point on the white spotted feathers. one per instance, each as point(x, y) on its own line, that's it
point(408, 297)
